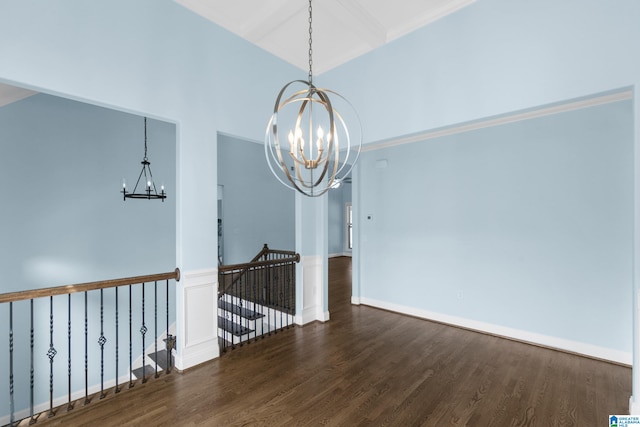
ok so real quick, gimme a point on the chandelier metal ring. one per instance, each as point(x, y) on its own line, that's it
point(305, 167)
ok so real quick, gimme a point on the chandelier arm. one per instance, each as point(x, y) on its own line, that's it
point(305, 101)
point(153, 183)
point(139, 176)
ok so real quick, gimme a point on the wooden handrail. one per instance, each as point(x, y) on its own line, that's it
point(293, 257)
point(90, 286)
point(231, 267)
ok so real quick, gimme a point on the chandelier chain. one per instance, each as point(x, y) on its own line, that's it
point(145, 139)
point(310, 44)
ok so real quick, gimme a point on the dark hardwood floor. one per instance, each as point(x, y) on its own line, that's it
point(371, 367)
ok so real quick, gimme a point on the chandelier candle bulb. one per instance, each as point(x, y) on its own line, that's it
point(292, 146)
point(320, 136)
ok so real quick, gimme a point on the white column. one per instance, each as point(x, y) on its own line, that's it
point(312, 301)
point(197, 318)
point(634, 400)
point(355, 252)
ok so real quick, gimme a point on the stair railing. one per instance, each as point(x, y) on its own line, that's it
point(256, 298)
point(29, 312)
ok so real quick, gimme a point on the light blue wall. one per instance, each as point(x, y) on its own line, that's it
point(531, 221)
point(258, 209)
point(61, 167)
point(491, 58)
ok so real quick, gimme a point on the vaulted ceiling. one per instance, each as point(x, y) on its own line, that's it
point(342, 29)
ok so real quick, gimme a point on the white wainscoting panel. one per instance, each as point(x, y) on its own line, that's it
point(197, 319)
point(312, 290)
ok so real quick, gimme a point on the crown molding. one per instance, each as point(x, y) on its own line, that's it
point(502, 120)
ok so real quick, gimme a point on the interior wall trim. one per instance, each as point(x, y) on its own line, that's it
point(517, 116)
point(527, 337)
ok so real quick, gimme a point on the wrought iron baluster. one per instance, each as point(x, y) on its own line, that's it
point(281, 295)
point(254, 298)
point(287, 292)
point(117, 389)
point(86, 349)
point(285, 285)
point(155, 324)
point(171, 340)
point(31, 369)
point(143, 331)
point(261, 278)
point(51, 354)
point(228, 337)
point(241, 295)
point(69, 405)
point(101, 342)
point(229, 316)
point(130, 343)
point(278, 296)
point(268, 271)
point(11, 398)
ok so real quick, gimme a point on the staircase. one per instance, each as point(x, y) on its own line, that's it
point(240, 321)
point(256, 298)
point(237, 324)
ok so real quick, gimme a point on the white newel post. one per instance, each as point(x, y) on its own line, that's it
point(197, 318)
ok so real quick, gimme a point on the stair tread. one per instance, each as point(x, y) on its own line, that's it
point(240, 311)
point(232, 327)
point(161, 360)
point(149, 371)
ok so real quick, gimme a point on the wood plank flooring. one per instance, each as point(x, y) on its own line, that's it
point(367, 367)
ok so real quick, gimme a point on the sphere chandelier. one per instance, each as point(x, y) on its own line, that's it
point(310, 166)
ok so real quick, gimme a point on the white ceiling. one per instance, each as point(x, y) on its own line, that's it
point(342, 29)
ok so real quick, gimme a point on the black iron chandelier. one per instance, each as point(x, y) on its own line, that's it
point(150, 191)
point(308, 166)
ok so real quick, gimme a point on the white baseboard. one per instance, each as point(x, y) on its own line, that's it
point(309, 316)
point(634, 407)
point(585, 349)
point(339, 255)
